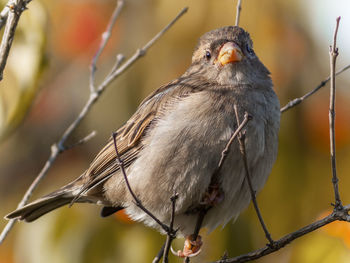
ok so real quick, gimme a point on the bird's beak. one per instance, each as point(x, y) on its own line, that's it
point(230, 52)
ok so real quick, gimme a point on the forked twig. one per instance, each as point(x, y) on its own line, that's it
point(105, 37)
point(280, 243)
point(297, 101)
point(139, 53)
point(340, 213)
point(170, 235)
point(241, 140)
point(5, 11)
point(203, 209)
point(333, 54)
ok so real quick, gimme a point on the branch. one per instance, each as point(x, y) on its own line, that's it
point(59, 147)
point(139, 53)
point(241, 140)
point(5, 11)
point(136, 199)
point(238, 11)
point(323, 83)
point(203, 209)
point(12, 12)
point(171, 233)
point(333, 53)
point(170, 236)
point(341, 215)
point(225, 152)
point(160, 254)
point(105, 38)
point(81, 141)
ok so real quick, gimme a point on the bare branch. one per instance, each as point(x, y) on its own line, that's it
point(278, 244)
point(136, 199)
point(333, 53)
point(160, 254)
point(82, 141)
point(241, 140)
point(5, 11)
point(13, 14)
point(340, 212)
point(203, 209)
point(105, 37)
point(59, 147)
point(170, 236)
point(225, 152)
point(54, 154)
point(238, 11)
point(323, 83)
point(4, 14)
point(139, 53)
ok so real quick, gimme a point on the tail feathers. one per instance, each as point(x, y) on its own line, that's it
point(43, 205)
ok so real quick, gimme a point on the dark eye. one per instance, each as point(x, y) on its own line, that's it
point(249, 49)
point(208, 55)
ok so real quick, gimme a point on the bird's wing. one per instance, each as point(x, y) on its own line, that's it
point(129, 136)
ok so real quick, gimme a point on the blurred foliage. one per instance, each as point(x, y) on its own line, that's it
point(24, 67)
point(67, 33)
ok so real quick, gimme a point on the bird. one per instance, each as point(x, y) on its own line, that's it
point(174, 141)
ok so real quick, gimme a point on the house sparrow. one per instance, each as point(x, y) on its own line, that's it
point(173, 143)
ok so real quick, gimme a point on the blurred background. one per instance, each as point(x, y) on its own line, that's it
point(46, 84)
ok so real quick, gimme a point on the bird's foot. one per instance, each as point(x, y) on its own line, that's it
point(213, 196)
point(191, 247)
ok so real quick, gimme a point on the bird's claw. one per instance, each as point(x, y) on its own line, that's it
point(191, 247)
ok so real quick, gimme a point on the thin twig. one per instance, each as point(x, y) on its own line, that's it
point(13, 16)
point(225, 152)
point(59, 147)
point(5, 11)
point(4, 14)
point(241, 140)
point(333, 53)
point(203, 209)
point(118, 61)
point(137, 201)
point(139, 53)
point(323, 83)
point(278, 244)
point(238, 11)
point(170, 235)
point(201, 214)
point(159, 255)
point(54, 153)
point(340, 213)
point(81, 141)
point(104, 40)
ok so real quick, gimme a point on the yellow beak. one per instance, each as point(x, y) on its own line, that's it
point(230, 52)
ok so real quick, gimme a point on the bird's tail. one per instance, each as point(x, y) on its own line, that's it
point(36, 209)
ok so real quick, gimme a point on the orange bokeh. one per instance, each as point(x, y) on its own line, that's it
point(316, 123)
point(79, 33)
point(338, 229)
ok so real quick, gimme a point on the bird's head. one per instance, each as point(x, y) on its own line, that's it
point(226, 56)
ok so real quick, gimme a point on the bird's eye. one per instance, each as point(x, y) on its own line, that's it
point(249, 49)
point(207, 54)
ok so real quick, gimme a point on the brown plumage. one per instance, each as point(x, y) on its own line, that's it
point(175, 138)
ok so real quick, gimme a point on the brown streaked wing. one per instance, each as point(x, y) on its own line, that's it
point(129, 136)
